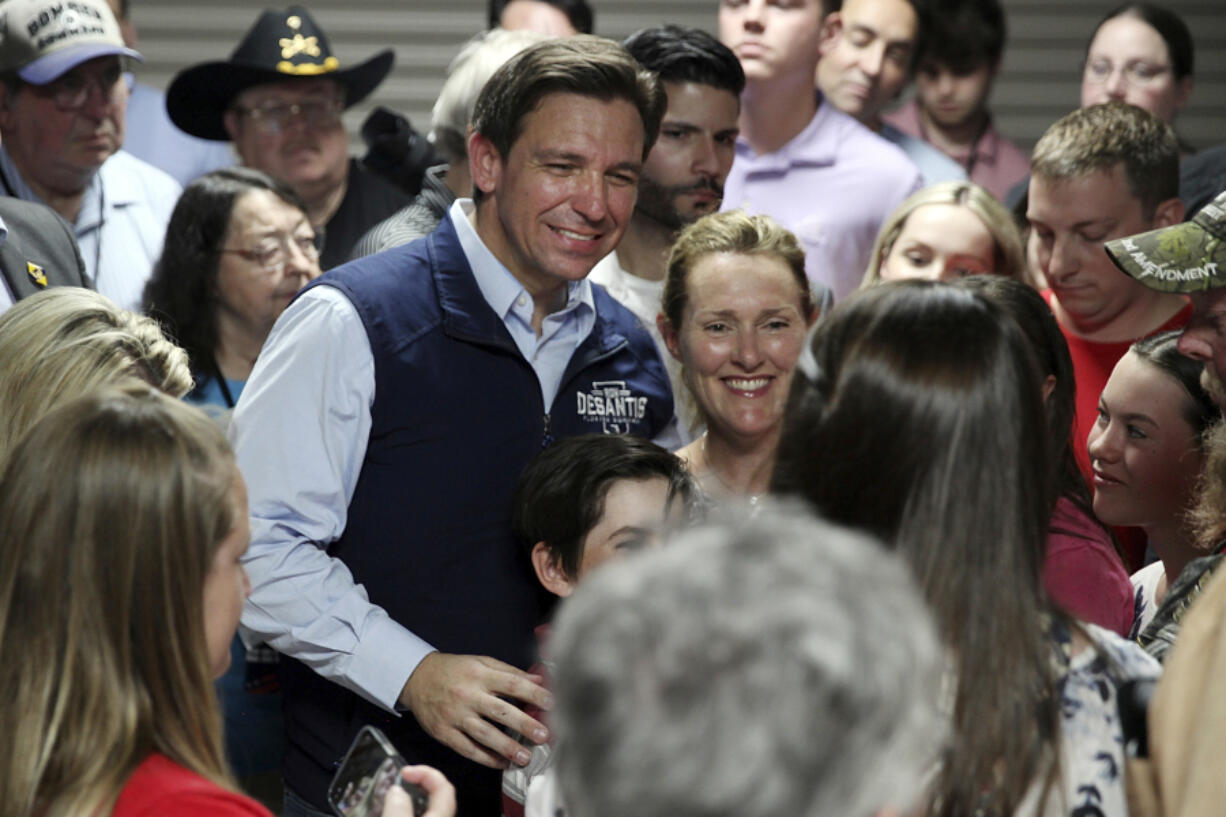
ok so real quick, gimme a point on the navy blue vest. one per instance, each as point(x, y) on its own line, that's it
point(457, 415)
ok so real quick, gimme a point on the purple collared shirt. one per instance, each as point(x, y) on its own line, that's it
point(833, 185)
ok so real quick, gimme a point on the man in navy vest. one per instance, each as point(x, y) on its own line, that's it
point(395, 404)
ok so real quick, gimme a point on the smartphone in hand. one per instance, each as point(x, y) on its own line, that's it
point(371, 767)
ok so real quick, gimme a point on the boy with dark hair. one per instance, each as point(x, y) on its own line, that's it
point(958, 60)
point(583, 502)
point(587, 500)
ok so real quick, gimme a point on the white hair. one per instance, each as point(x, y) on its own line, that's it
point(768, 664)
point(477, 61)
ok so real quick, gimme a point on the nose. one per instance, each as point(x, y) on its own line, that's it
point(591, 197)
point(748, 354)
point(300, 265)
point(1116, 85)
point(871, 59)
point(1062, 258)
point(706, 158)
point(945, 84)
point(100, 98)
point(1101, 442)
point(751, 15)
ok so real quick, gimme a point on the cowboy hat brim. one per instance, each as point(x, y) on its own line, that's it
point(199, 97)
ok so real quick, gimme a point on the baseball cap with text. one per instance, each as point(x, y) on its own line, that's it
point(1186, 257)
point(41, 40)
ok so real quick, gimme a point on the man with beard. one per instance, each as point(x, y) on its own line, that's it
point(683, 177)
point(62, 104)
point(279, 98)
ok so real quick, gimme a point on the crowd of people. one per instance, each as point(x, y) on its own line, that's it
point(686, 425)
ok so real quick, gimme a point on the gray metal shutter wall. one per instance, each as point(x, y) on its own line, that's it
point(1039, 80)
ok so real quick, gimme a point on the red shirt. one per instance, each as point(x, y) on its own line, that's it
point(1082, 572)
point(161, 787)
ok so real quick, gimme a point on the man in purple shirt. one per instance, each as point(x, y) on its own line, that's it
point(814, 169)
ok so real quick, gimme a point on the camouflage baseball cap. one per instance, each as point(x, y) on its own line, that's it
point(1187, 257)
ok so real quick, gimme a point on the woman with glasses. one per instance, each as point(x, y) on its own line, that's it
point(1142, 54)
point(238, 248)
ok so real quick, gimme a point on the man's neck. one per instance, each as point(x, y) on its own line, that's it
point(63, 195)
point(68, 205)
point(545, 301)
point(774, 112)
point(873, 122)
point(1148, 311)
point(952, 139)
point(643, 251)
point(324, 198)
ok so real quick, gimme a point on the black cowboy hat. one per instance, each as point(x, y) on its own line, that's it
point(281, 45)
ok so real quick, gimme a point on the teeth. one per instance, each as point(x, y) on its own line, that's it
point(745, 384)
point(574, 235)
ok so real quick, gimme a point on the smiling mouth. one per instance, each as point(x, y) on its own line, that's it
point(1102, 479)
point(571, 234)
point(747, 384)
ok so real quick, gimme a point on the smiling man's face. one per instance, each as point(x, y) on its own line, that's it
point(562, 196)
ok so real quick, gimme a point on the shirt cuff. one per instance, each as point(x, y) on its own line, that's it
point(383, 660)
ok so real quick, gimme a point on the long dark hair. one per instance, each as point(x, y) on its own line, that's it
point(918, 416)
point(182, 292)
point(1033, 316)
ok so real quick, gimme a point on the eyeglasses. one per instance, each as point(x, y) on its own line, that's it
point(1137, 72)
point(273, 254)
point(276, 117)
point(71, 91)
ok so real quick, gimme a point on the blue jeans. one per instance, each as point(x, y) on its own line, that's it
point(295, 806)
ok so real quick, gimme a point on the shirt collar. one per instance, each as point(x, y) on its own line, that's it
point(500, 289)
point(120, 189)
point(817, 144)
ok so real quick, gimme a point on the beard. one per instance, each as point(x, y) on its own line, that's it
point(659, 202)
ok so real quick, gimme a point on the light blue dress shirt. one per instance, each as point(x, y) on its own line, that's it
point(300, 432)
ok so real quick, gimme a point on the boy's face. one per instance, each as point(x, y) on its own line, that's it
point(634, 510)
point(952, 98)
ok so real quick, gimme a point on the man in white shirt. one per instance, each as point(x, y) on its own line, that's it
point(62, 103)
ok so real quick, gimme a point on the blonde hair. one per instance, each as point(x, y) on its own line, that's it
point(1009, 257)
point(113, 507)
point(61, 343)
point(734, 232)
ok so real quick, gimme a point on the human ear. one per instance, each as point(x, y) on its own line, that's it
point(1168, 213)
point(484, 162)
point(549, 573)
point(669, 333)
point(832, 29)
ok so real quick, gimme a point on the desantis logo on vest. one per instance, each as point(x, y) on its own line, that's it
point(612, 405)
